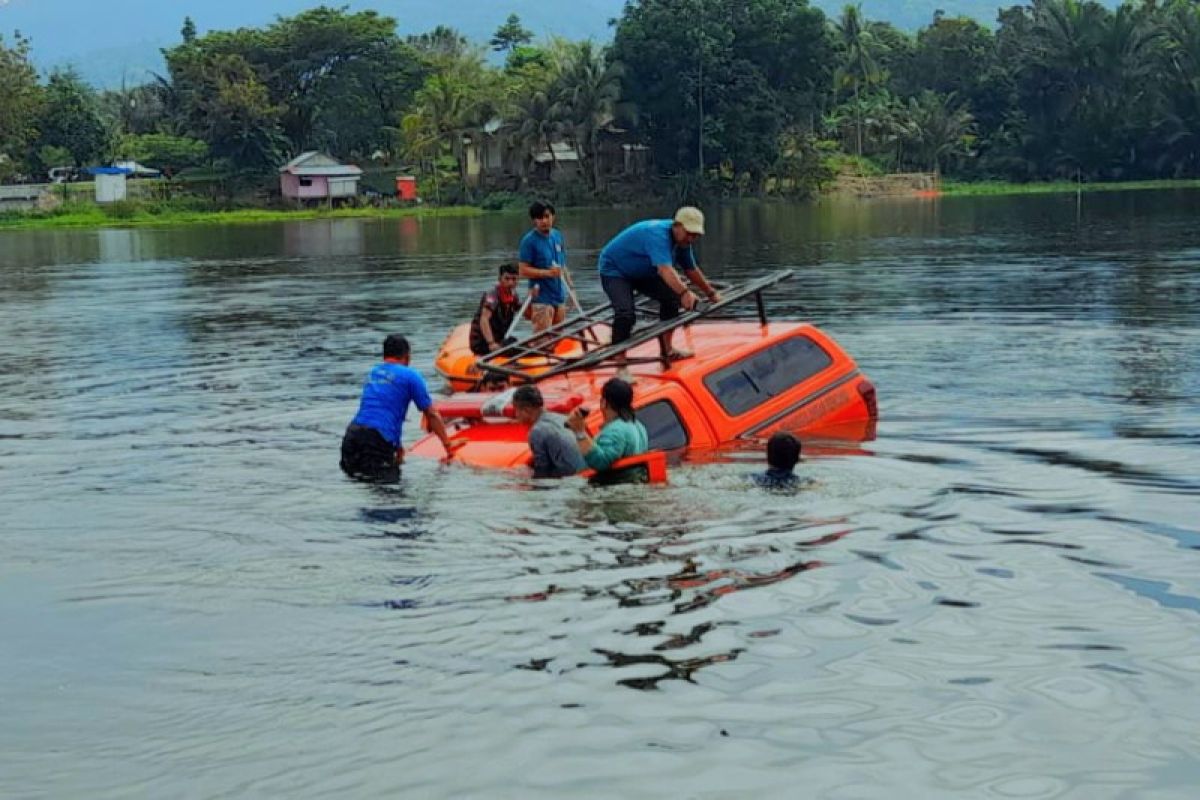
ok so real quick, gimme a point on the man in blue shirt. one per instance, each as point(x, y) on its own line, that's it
point(542, 257)
point(371, 447)
point(643, 258)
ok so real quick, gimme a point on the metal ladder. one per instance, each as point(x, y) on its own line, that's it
point(541, 347)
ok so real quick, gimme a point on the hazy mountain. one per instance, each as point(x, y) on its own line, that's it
point(111, 39)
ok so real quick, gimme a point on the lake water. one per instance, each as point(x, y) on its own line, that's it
point(998, 597)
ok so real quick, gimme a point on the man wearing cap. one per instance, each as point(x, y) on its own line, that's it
point(643, 258)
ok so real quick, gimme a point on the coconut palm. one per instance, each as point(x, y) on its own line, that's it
point(859, 69)
point(538, 123)
point(1180, 66)
point(935, 128)
point(589, 90)
point(443, 110)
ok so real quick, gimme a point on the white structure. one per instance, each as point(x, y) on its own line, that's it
point(110, 183)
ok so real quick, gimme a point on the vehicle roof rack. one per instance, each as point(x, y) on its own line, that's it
point(542, 347)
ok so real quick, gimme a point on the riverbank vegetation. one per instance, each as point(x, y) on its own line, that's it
point(986, 188)
point(692, 99)
point(136, 214)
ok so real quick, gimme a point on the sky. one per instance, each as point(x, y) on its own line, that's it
point(113, 39)
point(107, 37)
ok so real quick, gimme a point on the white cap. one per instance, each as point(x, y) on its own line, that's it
point(691, 218)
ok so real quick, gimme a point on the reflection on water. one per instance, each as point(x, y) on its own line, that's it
point(996, 598)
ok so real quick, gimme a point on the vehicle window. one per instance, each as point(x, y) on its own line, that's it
point(759, 377)
point(663, 425)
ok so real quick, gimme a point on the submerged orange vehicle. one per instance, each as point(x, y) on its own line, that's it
point(747, 379)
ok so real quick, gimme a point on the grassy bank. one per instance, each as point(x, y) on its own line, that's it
point(135, 215)
point(952, 188)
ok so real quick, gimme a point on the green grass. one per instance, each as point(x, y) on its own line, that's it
point(135, 215)
point(953, 188)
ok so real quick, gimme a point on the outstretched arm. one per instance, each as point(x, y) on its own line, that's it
point(687, 298)
point(697, 277)
point(433, 420)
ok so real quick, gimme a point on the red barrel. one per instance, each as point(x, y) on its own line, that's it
point(406, 187)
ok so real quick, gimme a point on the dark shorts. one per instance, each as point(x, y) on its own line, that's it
point(367, 456)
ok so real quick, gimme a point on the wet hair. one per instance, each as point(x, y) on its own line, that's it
point(395, 346)
point(527, 397)
point(783, 450)
point(619, 396)
point(539, 209)
point(509, 268)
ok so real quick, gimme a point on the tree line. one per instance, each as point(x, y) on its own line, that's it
point(742, 95)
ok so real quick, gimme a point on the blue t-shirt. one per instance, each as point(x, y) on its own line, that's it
point(545, 252)
point(385, 398)
point(638, 251)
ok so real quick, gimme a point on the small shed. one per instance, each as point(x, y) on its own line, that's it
point(110, 183)
point(558, 162)
point(317, 176)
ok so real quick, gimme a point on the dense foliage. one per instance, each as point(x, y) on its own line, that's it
point(747, 95)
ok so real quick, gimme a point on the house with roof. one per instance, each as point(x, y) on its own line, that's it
point(493, 159)
point(317, 177)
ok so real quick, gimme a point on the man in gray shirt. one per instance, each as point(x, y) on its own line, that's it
point(555, 454)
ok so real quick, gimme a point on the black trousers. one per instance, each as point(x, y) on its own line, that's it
point(620, 292)
point(366, 455)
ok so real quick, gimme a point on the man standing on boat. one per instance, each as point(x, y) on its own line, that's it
point(371, 447)
point(644, 258)
point(542, 258)
point(497, 310)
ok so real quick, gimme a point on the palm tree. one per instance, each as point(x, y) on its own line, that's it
point(538, 124)
point(589, 91)
point(449, 103)
point(935, 128)
point(1094, 66)
point(435, 125)
point(859, 69)
point(1180, 58)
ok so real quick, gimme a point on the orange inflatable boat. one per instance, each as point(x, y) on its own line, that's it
point(457, 364)
point(747, 379)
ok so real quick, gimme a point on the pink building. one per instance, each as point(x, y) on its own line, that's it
point(314, 176)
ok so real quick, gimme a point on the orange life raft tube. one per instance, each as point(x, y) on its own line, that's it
point(649, 467)
point(456, 363)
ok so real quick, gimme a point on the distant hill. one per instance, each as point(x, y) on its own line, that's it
point(111, 40)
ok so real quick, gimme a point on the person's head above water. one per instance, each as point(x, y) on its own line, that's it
point(527, 404)
point(396, 347)
point(783, 451)
point(617, 395)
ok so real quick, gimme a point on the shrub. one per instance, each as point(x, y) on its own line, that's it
point(499, 201)
point(121, 209)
